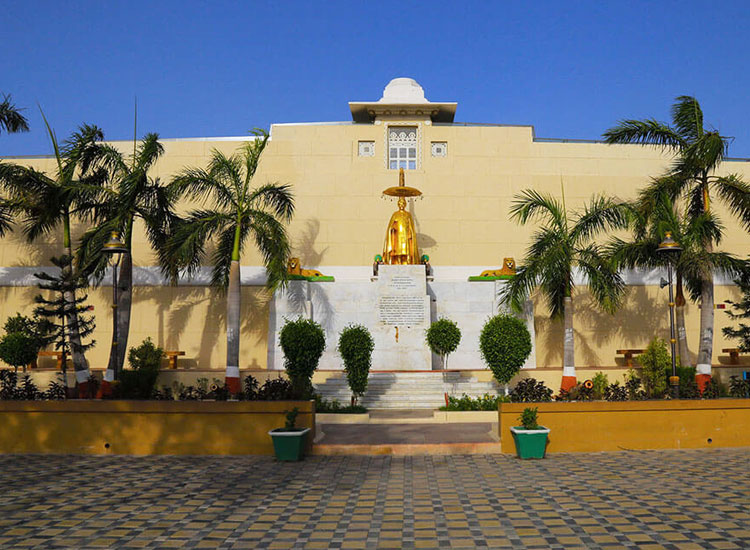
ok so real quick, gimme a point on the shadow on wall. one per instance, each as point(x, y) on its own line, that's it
point(305, 245)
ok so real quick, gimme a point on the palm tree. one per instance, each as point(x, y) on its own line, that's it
point(654, 214)
point(131, 195)
point(698, 152)
point(47, 203)
point(11, 118)
point(238, 212)
point(562, 245)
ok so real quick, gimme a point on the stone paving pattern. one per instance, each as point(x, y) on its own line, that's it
point(643, 499)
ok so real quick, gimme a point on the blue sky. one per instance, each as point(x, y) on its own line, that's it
point(571, 69)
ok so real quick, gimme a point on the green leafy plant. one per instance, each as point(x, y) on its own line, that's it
point(139, 381)
point(528, 419)
point(616, 392)
point(443, 338)
point(355, 346)
point(530, 390)
point(273, 389)
point(714, 389)
point(633, 386)
point(487, 402)
point(291, 419)
point(333, 406)
point(302, 342)
point(36, 328)
point(505, 344)
point(600, 383)
point(17, 349)
point(739, 387)
point(655, 362)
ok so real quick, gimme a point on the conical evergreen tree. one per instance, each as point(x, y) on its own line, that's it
point(59, 309)
point(740, 310)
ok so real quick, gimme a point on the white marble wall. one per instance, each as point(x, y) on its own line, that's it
point(354, 300)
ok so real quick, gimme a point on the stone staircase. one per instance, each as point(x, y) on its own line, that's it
point(406, 390)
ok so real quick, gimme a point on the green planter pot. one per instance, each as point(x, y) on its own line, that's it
point(289, 445)
point(530, 443)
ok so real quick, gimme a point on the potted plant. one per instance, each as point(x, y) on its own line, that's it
point(530, 438)
point(289, 441)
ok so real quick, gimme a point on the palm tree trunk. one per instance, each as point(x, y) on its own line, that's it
point(80, 365)
point(682, 344)
point(233, 329)
point(705, 349)
point(124, 306)
point(569, 365)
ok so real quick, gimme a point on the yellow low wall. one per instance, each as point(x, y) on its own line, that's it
point(146, 427)
point(617, 426)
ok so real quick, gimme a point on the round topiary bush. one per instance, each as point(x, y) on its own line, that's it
point(443, 338)
point(505, 344)
point(355, 346)
point(18, 349)
point(302, 342)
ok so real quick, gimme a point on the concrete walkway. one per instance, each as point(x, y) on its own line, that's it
point(674, 500)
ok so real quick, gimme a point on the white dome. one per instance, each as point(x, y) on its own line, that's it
point(404, 91)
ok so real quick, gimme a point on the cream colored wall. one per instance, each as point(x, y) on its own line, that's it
point(340, 218)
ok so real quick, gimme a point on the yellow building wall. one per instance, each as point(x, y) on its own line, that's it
point(463, 220)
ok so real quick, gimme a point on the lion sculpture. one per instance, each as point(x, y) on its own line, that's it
point(293, 268)
point(509, 268)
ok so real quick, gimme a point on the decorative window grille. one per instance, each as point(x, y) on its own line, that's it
point(366, 148)
point(439, 149)
point(402, 147)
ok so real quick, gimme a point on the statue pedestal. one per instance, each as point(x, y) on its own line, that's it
point(402, 311)
point(397, 298)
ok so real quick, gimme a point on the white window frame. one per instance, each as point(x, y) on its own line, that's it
point(409, 160)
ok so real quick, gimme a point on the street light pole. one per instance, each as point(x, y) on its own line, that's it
point(114, 248)
point(670, 249)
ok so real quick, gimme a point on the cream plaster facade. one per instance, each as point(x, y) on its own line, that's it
point(463, 225)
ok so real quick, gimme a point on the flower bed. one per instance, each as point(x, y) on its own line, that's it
point(634, 425)
point(146, 427)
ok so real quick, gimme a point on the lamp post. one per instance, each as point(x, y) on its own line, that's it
point(670, 249)
point(114, 248)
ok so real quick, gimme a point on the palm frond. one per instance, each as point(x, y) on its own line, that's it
point(736, 196)
point(222, 257)
point(644, 132)
point(604, 282)
point(148, 152)
point(600, 214)
point(252, 151)
point(11, 118)
point(278, 198)
point(530, 204)
point(185, 247)
point(688, 117)
point(272, 242)
point(701, 156)
point(200, 184)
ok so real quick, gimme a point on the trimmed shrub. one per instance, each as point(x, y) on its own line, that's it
point(18, 349)
point(355, 346)
point(655, 362)
point(505, 344)
point(443, 338)
point(139, 381)
point(302, 342)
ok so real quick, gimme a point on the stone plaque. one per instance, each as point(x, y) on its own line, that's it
point(401, 310)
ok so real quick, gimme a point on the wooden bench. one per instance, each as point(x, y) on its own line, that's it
point(172, 356)
point(629, 353)
point(734, 355)
point(56, 354)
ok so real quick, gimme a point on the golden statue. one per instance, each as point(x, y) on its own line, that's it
point(509, 268)
point(400, 245)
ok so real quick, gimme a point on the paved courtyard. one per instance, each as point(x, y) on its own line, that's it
point(644, 499)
